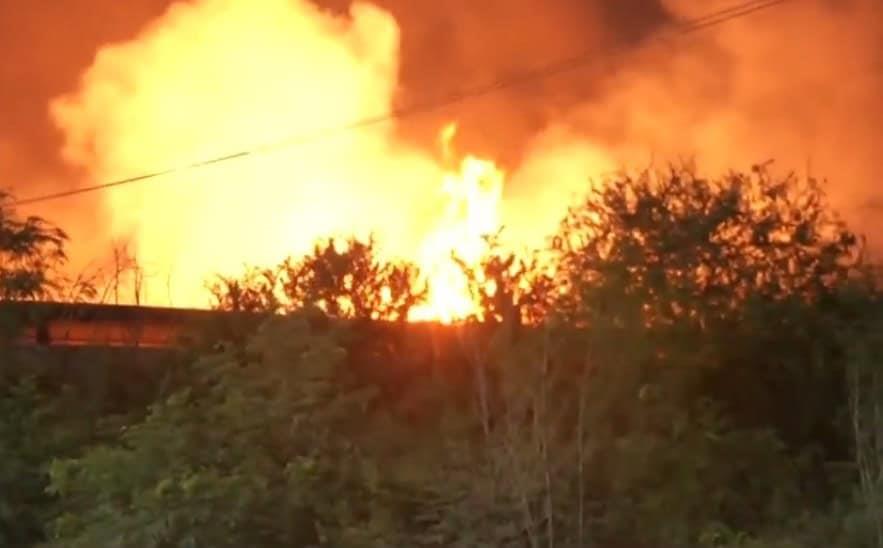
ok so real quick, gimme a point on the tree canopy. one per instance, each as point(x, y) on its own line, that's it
point(344, 279)
point(698, 366)
point(32, 252)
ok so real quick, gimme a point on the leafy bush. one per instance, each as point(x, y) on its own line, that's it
point(344, 279)
point(253, 455)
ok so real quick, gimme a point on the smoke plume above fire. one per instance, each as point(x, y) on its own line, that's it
point(220, 76)
point(800, 82)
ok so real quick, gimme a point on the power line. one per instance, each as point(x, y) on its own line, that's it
point(557, 68)
point(726, 14)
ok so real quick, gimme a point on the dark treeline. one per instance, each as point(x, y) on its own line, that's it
point(690, 363)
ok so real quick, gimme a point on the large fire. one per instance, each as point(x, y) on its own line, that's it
point(214, 77)
point(218, 76)
point(474, 194)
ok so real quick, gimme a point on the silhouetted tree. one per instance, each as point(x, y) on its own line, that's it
point(257, 290)
point(32, 254)
point(345, 279)
point(676, 244)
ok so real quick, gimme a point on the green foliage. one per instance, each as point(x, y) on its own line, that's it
point(253, 455)
point(862, 337)
point(21, 483)
point(35, 427)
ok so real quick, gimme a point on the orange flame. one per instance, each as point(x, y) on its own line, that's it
point(211, 77)
point(474, 194)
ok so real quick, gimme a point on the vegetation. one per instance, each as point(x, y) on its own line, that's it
point(31, 254)
point(699, 368)
point(342, 278)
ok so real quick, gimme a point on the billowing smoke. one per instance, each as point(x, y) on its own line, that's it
point(799, 83)
point(216, 76)
point(219, 76)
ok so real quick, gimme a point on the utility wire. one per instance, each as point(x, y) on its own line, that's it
point(734, 8)
point(550, 70)
point(726, 14)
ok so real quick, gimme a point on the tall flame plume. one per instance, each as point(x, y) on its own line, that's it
point(474, 193)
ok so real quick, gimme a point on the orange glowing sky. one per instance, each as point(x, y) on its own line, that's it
point(206, 77)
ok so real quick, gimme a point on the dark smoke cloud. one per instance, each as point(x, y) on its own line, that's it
point(463, 43)
point(801, 84)
point(446, 45)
